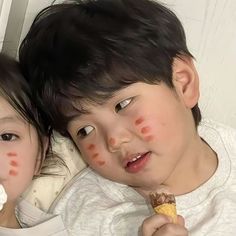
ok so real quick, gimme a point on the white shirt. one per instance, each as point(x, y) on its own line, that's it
point(92, 205)
point(35, 222)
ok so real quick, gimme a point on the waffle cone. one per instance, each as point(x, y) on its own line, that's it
point(168, 209)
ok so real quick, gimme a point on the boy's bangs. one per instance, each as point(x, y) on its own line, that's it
point(102, 84)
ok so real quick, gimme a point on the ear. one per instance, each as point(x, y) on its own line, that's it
point(41, 156)
point(185, 80)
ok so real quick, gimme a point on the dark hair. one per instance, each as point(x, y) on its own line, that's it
point(90, 49)
point(15, 90)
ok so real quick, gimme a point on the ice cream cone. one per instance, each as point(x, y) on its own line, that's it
point(164, 203)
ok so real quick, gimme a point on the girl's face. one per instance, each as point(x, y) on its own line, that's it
point(19, 151)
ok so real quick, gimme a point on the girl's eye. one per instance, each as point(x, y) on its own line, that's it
point(8, 137)
point(121, 105)
point(85, 131)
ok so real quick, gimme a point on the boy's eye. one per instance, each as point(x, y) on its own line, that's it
point(121, 105)
point(8, 137)
point(85, 131)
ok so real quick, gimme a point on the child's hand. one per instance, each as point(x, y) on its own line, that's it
point(161, 225)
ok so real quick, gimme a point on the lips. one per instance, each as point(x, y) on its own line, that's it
point(137, 162)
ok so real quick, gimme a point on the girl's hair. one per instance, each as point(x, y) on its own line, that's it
point(15, 90)
point(89, 49)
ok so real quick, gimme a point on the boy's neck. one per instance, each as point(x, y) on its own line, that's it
point(200, 168)
point(7, 216)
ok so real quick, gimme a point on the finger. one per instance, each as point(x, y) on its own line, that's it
point(180, 220)
point(171, 230)
point(153, 223)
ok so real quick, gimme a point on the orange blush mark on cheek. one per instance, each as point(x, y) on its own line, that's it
point(11, 154)
point(112, 141)
point(14, 163)
point(145, 129)
point(139, 121)
point(13, 173)
point(149, 138)
point(91, 147)
point(95, 155)
point(101, 163)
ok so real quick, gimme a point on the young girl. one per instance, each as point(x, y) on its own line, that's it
point(23, 148)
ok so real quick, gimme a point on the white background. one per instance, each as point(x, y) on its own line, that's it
point(211, 35)
point(4, 13)
point(210, 28)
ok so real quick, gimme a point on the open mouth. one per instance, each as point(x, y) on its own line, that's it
point(135, 159)
point(138, 162)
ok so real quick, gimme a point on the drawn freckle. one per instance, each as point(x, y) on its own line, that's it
point(149, 138)
point(145, 130)
point(95, 155)
point(139, 121)
point(91, 147)
point(13, 173)
point(112, 141)
point(11, 154)
point(14, 163)
point(101, 163)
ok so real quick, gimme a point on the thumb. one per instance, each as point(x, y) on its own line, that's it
point(180, 220)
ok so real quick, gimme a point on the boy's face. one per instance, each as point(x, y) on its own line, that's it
point(19, 151)
point(141, 137)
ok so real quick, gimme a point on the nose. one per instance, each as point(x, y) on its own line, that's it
point(117, 137)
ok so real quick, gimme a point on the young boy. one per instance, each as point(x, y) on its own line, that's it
point(117, 78)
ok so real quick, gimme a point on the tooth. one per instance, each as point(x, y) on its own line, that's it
point(136, 158)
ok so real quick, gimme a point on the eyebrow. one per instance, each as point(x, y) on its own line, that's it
point(77, 113)
point(11, 119)
point(76, 116)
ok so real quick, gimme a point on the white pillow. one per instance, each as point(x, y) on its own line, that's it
point(44, 190)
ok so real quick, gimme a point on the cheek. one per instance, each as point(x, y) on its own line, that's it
point(145, 128)
point(9, 165)
point(13, 163)
point(4, 167)
point(94, 156)
point(20, 166)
